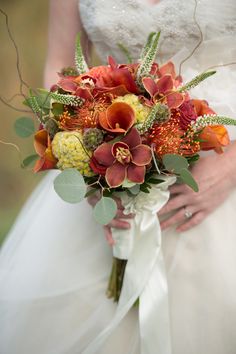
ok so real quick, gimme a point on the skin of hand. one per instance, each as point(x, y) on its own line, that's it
point(215, 175)
point(117, 222)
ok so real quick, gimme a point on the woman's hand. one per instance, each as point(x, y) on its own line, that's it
point(215, 175)
point(117, 222)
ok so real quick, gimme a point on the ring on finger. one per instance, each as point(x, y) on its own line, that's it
point(187, 213)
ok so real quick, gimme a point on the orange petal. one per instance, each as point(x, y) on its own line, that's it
point(202, 107)
point(41, 141)
point(214, 138)
point(168, 68)
point(141, 155)
point(174, 99)
point(165, 84)
point(116, 174)
point(119, 118)
point(136, 173)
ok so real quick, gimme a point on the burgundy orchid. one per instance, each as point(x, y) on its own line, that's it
point(123, 160)
point(163, 90)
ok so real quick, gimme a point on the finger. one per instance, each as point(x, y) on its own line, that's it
point(195, 220)
point(121, 215)
point(108, 235)
point(119, 224)
point(178, 217)
point(118, 202)
point(93, 199)
point(177, 189)
point(173, 204)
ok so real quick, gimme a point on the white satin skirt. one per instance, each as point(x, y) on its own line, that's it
point(54, 269)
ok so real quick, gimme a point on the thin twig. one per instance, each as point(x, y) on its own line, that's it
point(12, 107)
point(22, 82)
point(13, 145)
point(199, 42)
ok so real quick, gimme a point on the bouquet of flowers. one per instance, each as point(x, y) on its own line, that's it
point(121, 128)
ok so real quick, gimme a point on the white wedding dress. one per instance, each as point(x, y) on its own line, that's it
point(55, 263)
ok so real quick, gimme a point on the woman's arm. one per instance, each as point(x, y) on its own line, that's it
point(64, 24)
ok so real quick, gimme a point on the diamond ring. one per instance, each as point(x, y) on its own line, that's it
point(188, 214)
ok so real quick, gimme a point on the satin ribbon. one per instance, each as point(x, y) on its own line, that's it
point(145, 272)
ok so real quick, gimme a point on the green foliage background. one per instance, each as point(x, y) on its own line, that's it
point(28, 23)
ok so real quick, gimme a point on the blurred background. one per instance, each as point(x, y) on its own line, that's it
point(28, 24)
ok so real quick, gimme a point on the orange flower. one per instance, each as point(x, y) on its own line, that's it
point(118, 118)
point(214, 137)
point(42, 145)
point(202, 107)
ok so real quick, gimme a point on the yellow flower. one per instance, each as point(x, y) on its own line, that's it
point(67, 148)
point(141, 111)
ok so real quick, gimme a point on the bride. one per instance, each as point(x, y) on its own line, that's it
point(55, 264)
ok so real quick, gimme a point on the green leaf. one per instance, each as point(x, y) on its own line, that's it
point(175, 163)
point(24, 127)
point(105, 210)
point(186, 177)
point(196, 81)
point(70, 185)
point(57, 109)
point(155, 181)
point(29, 160)
point(90, 192)
point(80, 62)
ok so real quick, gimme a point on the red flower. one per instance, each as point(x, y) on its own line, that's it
point(202, 107)
point(114, 77)
point(42, 145)
point(124, 159)
point(187, 114)
point(163, 90)
point(118, 118)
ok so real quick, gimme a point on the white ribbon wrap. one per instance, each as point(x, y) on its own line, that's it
point(145, 272)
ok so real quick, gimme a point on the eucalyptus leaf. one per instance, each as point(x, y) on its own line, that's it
point(90, 192)
point(187, 178)
point(29, 160)
point(175, 163)
point(24, 127)
point(70, 186)
point(105, 210)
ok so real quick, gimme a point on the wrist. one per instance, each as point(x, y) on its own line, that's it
point(229, 157)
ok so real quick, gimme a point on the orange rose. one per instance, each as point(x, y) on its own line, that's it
point(214, 137)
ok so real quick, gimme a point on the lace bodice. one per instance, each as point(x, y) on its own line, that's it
point(109, 22)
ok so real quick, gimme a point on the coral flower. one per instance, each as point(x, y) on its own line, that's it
point(42, 145)
point(202, 107)
point(214, 137)
point(114, 77)
point(163, 90)
point(118, 118)
point(125, 159)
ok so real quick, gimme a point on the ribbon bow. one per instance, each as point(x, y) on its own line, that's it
point(145, 272)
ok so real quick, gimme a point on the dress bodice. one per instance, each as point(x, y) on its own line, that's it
point(110, 22)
